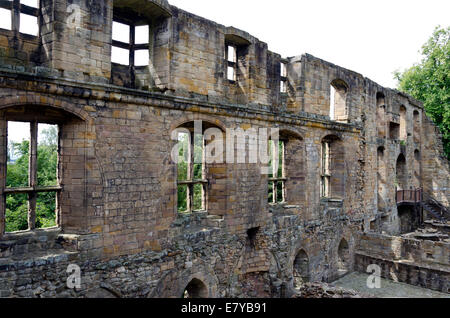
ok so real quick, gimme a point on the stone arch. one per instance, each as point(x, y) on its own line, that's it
point(401, 173)
point(174, 283)
point(381, 115)
point(301, 269)
point(29, 100)
point(211, 164)
point(343, 262)
point(195, 289)
point(403, 123)
point(74, 126)
point(210, 120)
point(338, 100)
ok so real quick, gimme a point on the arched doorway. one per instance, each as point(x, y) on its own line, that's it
point(195, 289)
point(301, 269)
point(343, 258)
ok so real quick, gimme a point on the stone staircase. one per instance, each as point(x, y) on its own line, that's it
point(435, 209)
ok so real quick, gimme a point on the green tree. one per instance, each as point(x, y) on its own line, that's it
point(429, 81)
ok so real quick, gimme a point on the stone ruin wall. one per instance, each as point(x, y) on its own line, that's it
point(118, 216)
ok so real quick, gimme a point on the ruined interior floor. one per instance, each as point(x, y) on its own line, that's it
point(389, 289)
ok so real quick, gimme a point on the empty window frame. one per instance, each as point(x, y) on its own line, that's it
point(191, 180)
point(277, 172)
point(20, 16)
point(130, 44)
point(325, 180)
point(231, 58)
point(283, 77)
point(32, 183)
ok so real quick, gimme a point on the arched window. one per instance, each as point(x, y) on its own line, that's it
point(381, 115)
point(195, 289)
point(343, 258)
point(403, 126)
point(338, 100)
point(277, 173)
point(301, 269)
point(200, 147)
point(285, 178)
point(401, 173)
point(332, 183)
point(44, 169)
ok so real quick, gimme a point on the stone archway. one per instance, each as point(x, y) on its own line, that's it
point(301, 269)
point(343, 263)
point(195, 289)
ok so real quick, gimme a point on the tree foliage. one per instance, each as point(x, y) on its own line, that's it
point(429, 81)
point(17, 176)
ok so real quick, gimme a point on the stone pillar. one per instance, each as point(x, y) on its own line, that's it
point(76, 37)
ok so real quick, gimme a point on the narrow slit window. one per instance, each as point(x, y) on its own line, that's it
point(326, 174)
point(277, 175)
point(332, 102)
point(231, 57)
point(47, 157)
point(283, 77)
point(18, 154)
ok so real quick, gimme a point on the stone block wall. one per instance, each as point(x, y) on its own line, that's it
point(117, 209)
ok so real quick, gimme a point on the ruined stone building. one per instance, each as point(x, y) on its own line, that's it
point(362, 164)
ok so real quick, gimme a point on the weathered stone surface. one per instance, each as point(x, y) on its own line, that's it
point(117, 213)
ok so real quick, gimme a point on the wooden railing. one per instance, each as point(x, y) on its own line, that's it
point(409, 196)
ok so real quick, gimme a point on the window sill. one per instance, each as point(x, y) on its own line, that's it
point(333, 200)
point(281, 204)
point(190, 213)
point(23, 235)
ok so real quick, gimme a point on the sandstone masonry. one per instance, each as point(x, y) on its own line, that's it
point(117, 208)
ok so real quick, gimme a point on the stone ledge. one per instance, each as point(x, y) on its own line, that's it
point(37, 259)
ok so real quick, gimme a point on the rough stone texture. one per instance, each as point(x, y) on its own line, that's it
point(421, 263)
point(118, 217)
point(389, 289)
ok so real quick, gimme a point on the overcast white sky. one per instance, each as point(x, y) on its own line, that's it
point(373, 38)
